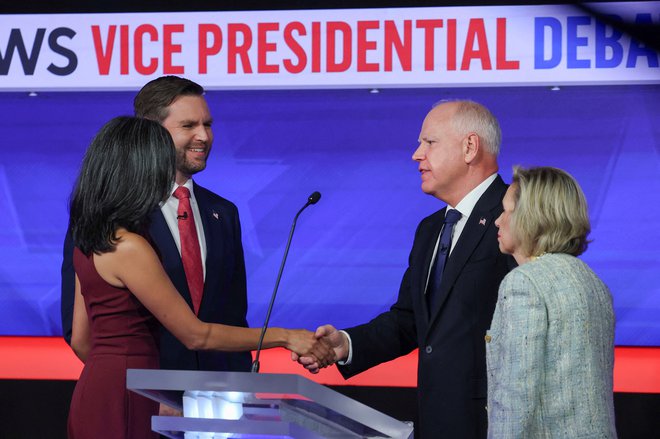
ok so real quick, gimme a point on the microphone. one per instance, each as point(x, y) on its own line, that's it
point(312, 199)
point(182, 217)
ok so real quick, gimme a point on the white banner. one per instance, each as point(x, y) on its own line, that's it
point(411, 47)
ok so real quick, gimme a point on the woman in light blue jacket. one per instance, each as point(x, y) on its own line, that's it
point(550, 347)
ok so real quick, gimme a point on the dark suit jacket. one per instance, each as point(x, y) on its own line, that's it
point(225, 296)
point(452, 358)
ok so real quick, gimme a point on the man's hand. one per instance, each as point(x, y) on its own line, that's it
point(303, 343)
point(330, 336)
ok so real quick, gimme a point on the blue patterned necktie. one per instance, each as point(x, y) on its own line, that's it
point(433, 290)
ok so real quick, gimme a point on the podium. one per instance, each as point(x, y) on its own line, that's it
point(251, 405)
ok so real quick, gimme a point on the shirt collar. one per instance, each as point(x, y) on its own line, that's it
point(188, 184)
point(466, 205)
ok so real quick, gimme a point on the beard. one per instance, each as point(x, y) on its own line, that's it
point(188, 166)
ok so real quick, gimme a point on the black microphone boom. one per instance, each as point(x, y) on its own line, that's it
point(312, 199)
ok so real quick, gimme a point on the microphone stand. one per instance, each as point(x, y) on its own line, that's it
point(313, 199)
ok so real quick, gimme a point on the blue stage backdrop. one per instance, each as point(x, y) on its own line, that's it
point(273, 148)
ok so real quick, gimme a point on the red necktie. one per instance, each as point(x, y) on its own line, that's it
point(190, 252)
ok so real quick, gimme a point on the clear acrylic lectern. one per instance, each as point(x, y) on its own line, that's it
point(253, 405)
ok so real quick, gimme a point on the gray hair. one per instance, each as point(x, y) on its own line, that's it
point(472, 117)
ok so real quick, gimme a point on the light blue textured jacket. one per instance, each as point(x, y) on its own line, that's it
point(550, 353)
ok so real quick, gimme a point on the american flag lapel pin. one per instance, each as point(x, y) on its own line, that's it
point(482, 221)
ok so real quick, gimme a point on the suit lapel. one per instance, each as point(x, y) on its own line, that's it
point(211, 221)
point(203, 204)
point(169, 253)
point(162, 236)
point(480, 219)
point(428, 258)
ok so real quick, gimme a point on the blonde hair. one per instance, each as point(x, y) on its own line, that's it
point(550, 213)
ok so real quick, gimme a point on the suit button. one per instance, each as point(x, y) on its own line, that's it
point(428, 349)
point(488, 338)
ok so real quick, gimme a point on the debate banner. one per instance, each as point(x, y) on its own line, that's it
point(406, 47)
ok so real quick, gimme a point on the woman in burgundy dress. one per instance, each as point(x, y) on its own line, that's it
point(122, 291)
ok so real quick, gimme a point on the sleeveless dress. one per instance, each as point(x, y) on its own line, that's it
point(124, 335)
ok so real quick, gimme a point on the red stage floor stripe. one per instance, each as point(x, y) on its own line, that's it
point(636, 369)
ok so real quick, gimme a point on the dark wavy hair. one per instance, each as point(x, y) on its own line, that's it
point(127, 171)
point(153, 100)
